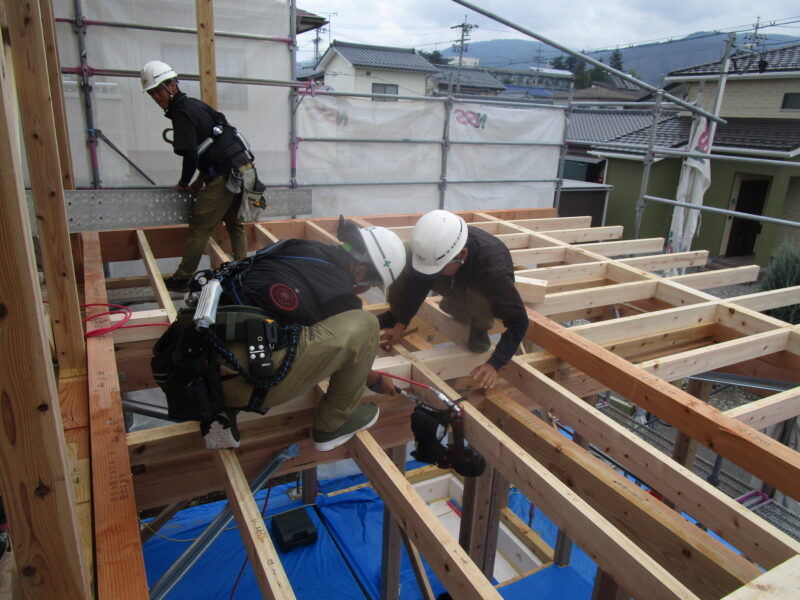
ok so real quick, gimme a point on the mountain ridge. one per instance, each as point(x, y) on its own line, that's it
point(650, 61)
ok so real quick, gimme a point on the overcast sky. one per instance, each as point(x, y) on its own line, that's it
point(577, 24)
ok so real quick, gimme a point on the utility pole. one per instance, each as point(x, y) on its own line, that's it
point(318, 40)
point(465, 28)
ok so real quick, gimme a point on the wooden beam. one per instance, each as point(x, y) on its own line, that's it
point(662, 262)
point(206, 51)
point(760, 455)
point(264, 237)
point(38, 126)
point(392, 539)
point(57, 94)
point(781, 583)
point(762, 301)
point(770, 410)
point(154, 275)
point(721, 277)
point(757, 539)
point(453, 567)
point(216, 254)
point(264, 559)
point(704, 565)
point(318, 234)
point(596, 297)
point(120, 564)
point(530, 290)
point(35, 478)
point(591, 234)
point(612, 551)
point(623, 247)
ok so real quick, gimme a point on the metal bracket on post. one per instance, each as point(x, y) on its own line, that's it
point(190, 556)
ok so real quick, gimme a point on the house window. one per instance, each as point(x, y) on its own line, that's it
point(384, 88)
point(791, 101)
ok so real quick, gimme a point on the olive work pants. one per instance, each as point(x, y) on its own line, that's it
point(341, 347)
point(214, 204)
point(462, 303)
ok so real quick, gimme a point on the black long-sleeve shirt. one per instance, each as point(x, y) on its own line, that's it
point(489, 270)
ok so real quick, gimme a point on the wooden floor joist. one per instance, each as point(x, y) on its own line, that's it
point(566, 269)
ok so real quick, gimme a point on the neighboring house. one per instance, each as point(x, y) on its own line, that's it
point(759, 84)
point(465, 80)
point(364, 69)
point(619, 91)
point(533, 77)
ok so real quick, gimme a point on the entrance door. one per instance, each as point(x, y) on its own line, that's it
point(743, 232)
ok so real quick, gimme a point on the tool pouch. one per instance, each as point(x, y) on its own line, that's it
point(185, 367)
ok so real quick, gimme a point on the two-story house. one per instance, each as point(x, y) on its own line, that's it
point(365, 69)
point(761, 104)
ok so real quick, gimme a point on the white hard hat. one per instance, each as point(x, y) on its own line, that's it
point(155, 73)
point(435, 240)
point(386, 251)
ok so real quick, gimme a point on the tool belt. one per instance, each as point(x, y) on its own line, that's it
point(194, 367)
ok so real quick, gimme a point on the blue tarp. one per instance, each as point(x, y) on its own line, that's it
point(344, 562)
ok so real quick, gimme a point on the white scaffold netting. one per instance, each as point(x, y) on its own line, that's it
point(400, 173)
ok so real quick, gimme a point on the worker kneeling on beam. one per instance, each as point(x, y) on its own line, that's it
point(268, 328)
point(474, 273)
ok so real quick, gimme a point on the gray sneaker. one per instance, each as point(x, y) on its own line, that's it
point(362, 418)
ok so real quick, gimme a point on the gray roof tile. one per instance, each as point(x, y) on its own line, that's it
point(786, 58)
point(606, 125)
point(780, 135)
point(474, 78)
point(383, 57)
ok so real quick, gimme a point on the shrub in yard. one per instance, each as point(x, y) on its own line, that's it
point(783, 271)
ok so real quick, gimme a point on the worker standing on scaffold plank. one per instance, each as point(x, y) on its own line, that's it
point(208, 143)
point(474, 273)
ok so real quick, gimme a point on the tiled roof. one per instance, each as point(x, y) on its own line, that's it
point(382, 57)
point(606, 125)
point(786, 58)
point(474, 78)
point(779, 135)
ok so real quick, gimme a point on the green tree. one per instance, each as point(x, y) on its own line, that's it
point(616, 60)
point(558, 63)
point(434, 57)
point(596, 74)
point(783, 271)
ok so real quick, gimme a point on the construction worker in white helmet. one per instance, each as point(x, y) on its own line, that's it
point(313, 287)
point(474, 273)
point(208, 144)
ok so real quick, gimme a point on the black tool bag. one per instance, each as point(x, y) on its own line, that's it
point(185, 366)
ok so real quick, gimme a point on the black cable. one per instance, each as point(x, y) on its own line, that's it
point(324, 522)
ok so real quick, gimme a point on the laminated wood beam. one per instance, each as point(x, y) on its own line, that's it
point(567, 273)
point(264, 559)
point(216, 254)
point(662, 262)
point(530, 290)
point(453, 567)
point(318, 234)
point(39, 132)
point(36, 476)
point(762, 301)
point(591, 234)
point(704, 565)
point(392, 539)
point(719, 278)
point(757, 453)
point(154, 275)
point(550, 224)
point(623, 247)
point(264, 237)
point(120, 567)
point(770, 410)
point(164, 471)
point(57, 94)
point(595, 297)
point(754, 537)
point(206, 51)
point(607, 546)
point(781, 583)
